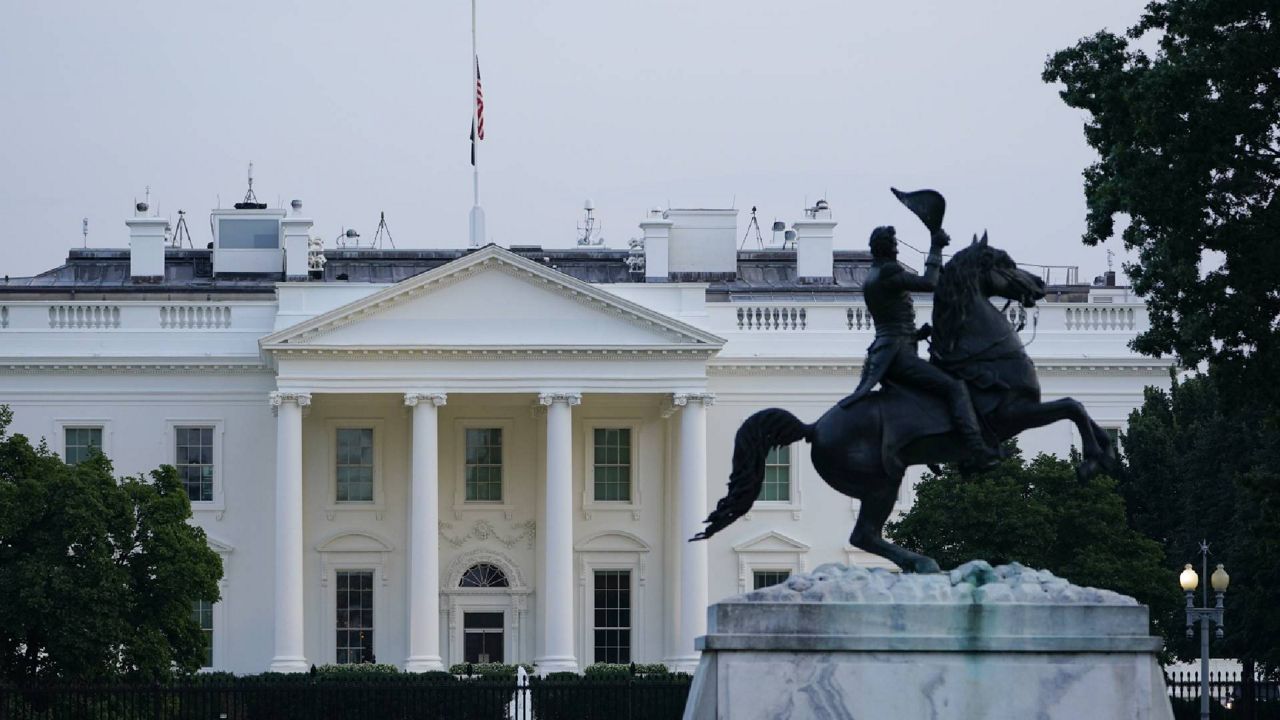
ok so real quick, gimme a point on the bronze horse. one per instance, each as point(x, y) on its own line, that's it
point(864, 450)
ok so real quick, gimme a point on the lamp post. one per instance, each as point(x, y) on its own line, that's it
point(1204, 615)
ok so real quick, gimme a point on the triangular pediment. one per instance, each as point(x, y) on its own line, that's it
point(771, 541)
point(492, 298)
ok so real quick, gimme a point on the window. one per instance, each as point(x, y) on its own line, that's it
point(202, 613)
point(777, 475)
point(483, 575)
point(80, 442)
point(769, 578)
point(613, 616)
point(484, 465)
point(1114, 434)
point(193, 457)
point(612, 464)
point(355, 617)
point(241, 234)
point(354, 469)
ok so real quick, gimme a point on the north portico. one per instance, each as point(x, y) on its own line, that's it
point(482, 395)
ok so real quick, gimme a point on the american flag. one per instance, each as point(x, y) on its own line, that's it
point(477, 122)
point(479, 103)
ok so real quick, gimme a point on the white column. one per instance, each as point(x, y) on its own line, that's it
point(691, 499)
point(289, 654)
point(424, 534)
point(556, 597)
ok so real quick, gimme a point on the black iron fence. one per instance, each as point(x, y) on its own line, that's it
point(1231, 695)
point(401, 698)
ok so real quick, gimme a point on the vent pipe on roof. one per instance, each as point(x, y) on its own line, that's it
point(146, 245)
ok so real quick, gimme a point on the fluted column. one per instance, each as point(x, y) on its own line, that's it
point(692, 510)
point(424, 534)
point(556, 597)
point(289, 654)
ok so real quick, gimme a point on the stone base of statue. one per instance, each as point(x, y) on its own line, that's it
point(978, 642)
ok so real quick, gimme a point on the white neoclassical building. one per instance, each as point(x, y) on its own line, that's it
point(437, 456)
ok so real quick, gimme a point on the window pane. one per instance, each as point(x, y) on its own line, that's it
point(78, 443)
point(354, 616)
point(202, 614)
point(769, 578)
point(777, 475)
point(240, 234)
point(193, 458)
point(483, 469)
point(354, 465)
point(612, 616)
point(612, 460)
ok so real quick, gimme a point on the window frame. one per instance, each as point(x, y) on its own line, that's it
point(331, 427)
point(460, 427)
point(615, 550)
point(61, 425)
point(795, 504)
point(373, 610)
point(217, 504)
point(771, 551)
point(757, 569)
point(212, 632)
point(631, 610)
point(589, 502)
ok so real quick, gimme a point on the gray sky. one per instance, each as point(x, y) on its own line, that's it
point(360, 107)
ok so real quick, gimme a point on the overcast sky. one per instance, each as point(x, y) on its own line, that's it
point(357, 108)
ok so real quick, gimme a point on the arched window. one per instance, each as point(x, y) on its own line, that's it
point(483, 575)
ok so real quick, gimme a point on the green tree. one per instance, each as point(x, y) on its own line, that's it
point(99, 574)
point(1199, 468)
point(1188, 136)
point(1038, 514)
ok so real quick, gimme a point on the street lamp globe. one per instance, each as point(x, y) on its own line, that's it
point(1219, 579)
point(1189, 579)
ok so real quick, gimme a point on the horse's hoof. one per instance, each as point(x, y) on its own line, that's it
point(926, 565)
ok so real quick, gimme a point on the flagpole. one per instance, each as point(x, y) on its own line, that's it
point(477, 213)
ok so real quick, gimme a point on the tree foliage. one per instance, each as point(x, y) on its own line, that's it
point(99, 574)
point(1188, 138)
point(1202, 469)
point(1038, 514)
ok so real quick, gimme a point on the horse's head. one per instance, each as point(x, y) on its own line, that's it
point(997, 274)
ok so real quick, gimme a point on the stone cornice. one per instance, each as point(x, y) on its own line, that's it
point(661, 352)
point(105, 366)
point(1046, 367)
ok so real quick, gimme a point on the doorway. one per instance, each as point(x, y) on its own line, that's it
point(482, 637)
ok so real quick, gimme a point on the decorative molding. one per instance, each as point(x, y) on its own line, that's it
point(278, 398)
point(518, 584)
point(491, 257)
point(682, 399)
point(569, 398)
point(108, 367)
point(435, 398)
point(482, 530)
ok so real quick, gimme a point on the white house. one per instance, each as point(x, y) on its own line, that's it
point(438, 456)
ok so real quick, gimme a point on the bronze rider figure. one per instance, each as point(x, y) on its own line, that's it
point(893, 354)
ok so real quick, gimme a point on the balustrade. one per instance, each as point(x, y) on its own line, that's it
point(195, 317)
point(84, 317)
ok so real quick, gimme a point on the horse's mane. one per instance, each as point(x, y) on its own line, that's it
point(959, 280)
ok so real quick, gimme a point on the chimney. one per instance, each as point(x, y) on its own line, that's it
point(296, 231)
point(146, 245)
point(815, 240)
point(657, 246)
point(1110, 278)
point(703, 245)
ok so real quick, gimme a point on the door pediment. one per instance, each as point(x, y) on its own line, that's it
point(492, 299)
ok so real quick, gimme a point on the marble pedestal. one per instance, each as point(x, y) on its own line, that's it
point(978, 642)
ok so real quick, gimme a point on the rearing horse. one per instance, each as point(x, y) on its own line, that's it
point(864, 450)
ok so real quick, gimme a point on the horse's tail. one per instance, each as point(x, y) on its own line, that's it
point(759, 434)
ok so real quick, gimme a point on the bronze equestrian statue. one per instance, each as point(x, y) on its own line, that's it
point(977, 389)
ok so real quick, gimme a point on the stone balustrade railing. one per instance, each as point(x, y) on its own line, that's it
point(195, 317)
point(84, 317)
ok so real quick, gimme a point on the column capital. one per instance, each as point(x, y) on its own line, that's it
point(435, 398)
point(278, 398)
point(568, 398)
point(682, 399)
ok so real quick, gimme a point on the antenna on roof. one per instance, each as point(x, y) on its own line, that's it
point(752, 225)
point(1110, 256)
point(588, 231)
point(84, 230)
point(382, 229)
point(180, 230)
point(250, 201)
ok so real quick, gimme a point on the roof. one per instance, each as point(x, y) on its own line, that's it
point(191, 271)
